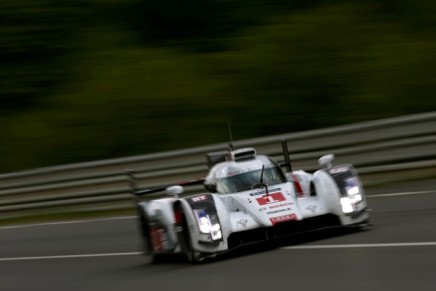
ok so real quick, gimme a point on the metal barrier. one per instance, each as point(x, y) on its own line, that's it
point(382, 150)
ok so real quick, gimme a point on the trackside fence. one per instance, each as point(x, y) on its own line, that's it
point(382, 151)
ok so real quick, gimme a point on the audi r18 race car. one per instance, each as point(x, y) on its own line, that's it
point(250, 198)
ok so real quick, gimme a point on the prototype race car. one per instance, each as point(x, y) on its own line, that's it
point(250, 198)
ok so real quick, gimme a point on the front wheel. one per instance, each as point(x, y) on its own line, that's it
point(185, 240)
point(365, 225)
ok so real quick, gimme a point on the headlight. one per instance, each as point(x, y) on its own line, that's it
point(347, 205)
point(354, 195)
point(204, 224)
point(208, 224)
point(352, 190)
point(352, 186)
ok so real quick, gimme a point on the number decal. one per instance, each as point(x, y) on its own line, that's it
point(271, 198)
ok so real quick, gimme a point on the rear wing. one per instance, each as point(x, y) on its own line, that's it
point(212, 159)
point(137, 192)
point(287, 162)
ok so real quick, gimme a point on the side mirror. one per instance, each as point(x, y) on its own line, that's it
point(326, 161)
point(174, 190)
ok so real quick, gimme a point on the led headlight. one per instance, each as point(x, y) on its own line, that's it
point(204, 224)
point(208, 224)
point(347, 205)
point(215, 232)
point(352, 188)
point(353, 195)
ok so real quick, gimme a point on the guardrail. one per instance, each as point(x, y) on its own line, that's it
point(382, 150)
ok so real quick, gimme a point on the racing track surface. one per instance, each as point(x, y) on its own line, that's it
point(399, 253)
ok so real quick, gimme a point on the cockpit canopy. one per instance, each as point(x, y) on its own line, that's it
point(250, 180)
point(236, 176)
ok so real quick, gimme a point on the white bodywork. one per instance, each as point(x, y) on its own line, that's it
point(293, 200)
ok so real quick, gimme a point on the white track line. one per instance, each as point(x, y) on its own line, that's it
point(311, 247)
point(401, 194)
point(68, 256)
point(379, 245)
point(68, 222)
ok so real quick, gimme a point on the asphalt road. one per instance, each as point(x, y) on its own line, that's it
point(398, 253)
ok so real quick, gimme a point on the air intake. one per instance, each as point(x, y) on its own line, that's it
point(244, 154)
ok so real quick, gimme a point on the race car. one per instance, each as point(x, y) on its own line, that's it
point(248, 198)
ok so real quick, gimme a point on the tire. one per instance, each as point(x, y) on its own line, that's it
point(146, 244)
point(366, 225)
point(185, 241)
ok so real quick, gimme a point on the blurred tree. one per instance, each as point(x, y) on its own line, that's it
point(78, 83)
point(203, 25)
point(34, 37)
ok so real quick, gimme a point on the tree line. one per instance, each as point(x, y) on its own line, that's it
point(87, 80)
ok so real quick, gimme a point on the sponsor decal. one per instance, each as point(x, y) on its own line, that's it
point(338, 170)
point(311, 208)
point(275, 220)
point(280, 205)
point(240, 171)
point(242, 223)
point(271, 198)
point(262, 208)
point(262, 191)
point(158, 239)
point(297, 184)
point(278, 211)
point(234, 173)
point(199, 198)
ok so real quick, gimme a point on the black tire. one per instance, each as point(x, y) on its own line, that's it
point(185, 241)
point(366, 225)
point(146, 244)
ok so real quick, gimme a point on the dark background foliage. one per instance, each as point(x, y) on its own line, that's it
point(87, 80)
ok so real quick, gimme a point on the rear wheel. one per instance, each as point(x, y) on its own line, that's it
point(146, 242)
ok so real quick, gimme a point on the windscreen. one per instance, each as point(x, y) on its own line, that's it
point(248, 180)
